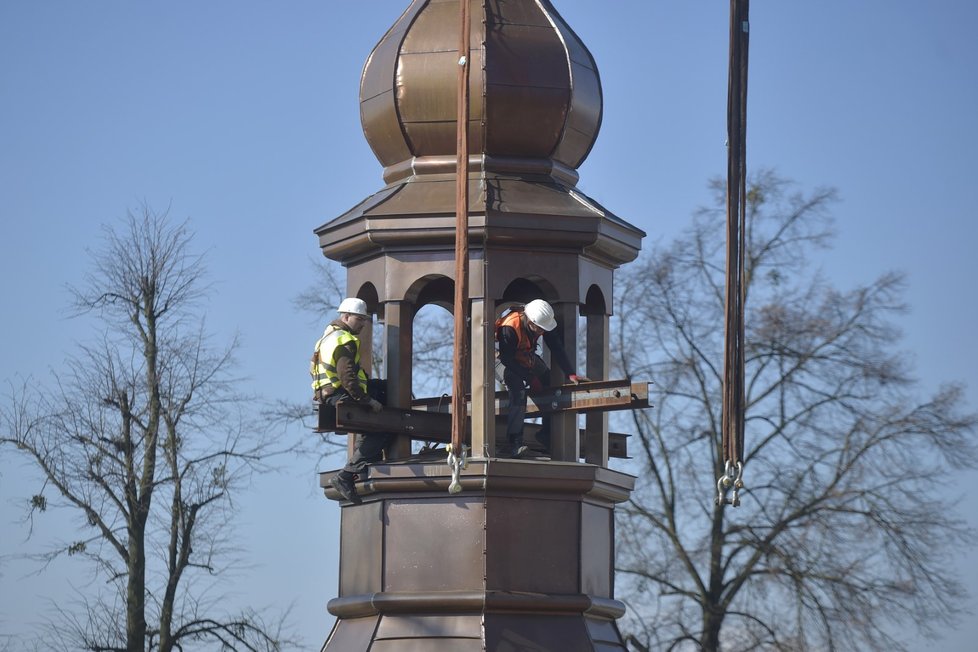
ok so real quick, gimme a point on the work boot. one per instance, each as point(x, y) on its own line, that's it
point(516, 447)
point(343, 483)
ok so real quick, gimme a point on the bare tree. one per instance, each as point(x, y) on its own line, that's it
point(143, 437)
point(320, 298)
point(845, 530)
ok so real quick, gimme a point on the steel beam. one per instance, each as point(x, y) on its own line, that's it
point(430, 419)
point(356, 417)
point(434, 426)
point(592, 396)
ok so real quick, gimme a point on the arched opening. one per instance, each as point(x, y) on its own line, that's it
point(523, 290)
point(431, 359)
point(368, 293)
point(594, 302)
point(437, 290)
point(371, 338)
point(432, 339)
point(432, 334)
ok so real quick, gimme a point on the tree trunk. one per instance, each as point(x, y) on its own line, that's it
point(710, 639)
point(136, 593)
point(713, 612)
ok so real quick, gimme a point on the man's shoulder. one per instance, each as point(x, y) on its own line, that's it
point(348, 342)
point(506, 330)
point(339, 333)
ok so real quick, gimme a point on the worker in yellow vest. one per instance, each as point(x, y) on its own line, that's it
point(520, 369)
point(338, 377)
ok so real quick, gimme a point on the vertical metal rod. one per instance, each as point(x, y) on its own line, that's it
point(733, 375)
point(461, 233)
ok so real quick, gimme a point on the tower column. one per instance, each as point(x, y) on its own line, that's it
point(564, 436)
point(597, 367)
point(483, 378)
point(398, 353)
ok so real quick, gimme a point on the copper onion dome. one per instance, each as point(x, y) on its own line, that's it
point(535, 110)
point(534, 87)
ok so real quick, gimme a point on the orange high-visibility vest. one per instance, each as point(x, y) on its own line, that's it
point(526, 343)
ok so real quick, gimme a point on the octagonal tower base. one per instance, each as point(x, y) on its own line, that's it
point(522, 559)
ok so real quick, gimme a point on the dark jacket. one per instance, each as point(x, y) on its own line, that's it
point(346, 367)
point(508, 340)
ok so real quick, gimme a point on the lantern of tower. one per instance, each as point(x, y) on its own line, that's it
point(535, 111)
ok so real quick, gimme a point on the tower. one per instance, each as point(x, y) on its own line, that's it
point(523, 557)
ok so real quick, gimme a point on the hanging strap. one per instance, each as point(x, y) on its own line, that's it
point(457, 449)
point(733, 368)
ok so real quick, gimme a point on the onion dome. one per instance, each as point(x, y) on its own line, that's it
point(535, 110)
point(534, 89)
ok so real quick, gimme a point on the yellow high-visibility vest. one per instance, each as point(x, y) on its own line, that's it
point(323, 365)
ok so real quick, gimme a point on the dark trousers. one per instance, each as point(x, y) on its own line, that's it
point(368, 447)
point(516, 390)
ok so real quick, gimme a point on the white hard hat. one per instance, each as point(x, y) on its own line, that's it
point(541, 313)
point(353, 306)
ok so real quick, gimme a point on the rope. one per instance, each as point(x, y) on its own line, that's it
point(461, 250)
point(733, 373)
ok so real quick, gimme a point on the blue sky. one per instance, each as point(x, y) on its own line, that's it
point(243, 117)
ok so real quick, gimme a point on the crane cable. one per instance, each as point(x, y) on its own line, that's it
point(732, 419)
point(457, 450)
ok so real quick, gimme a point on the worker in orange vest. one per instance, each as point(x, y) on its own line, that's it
point(520, 369)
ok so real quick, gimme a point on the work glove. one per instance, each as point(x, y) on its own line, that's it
point(535, 384)
point(375, 405)
point(575, 378)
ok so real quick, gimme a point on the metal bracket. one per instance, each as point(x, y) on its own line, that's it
point(591, 396)
point(730, 479)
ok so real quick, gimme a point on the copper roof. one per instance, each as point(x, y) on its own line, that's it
point(534, 86)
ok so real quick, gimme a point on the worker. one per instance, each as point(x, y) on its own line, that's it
point(519, 367)
point(338, 377)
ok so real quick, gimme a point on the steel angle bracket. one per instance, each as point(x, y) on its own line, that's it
point(591, 396)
